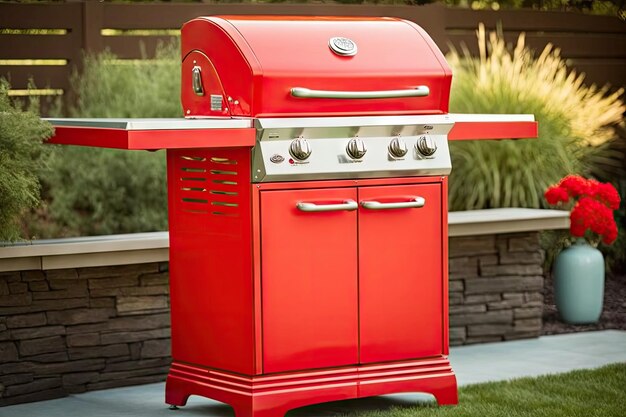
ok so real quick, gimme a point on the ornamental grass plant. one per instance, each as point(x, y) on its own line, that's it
point(576, 124)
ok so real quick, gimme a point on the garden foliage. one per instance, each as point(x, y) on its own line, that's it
point(21, 136)
point(91, 191)
point(576, 123)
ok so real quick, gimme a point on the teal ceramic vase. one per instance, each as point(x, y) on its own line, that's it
point(578, 275)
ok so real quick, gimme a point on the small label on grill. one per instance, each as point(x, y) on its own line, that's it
point(216, 102)
point(277, 159)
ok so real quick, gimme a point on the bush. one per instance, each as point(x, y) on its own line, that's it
point(21, 137)
point(104, 191)
point(575, 124)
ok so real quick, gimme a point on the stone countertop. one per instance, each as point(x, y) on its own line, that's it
point(153, 247)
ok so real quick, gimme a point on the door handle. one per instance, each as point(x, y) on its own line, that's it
point(416, 202)
point(347, 205)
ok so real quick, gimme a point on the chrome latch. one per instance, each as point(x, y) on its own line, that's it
point(196, 79)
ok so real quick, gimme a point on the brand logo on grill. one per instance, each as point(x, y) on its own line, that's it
point(342, 46)
point(428, 127)
point(277, 159)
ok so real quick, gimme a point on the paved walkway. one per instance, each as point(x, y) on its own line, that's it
point(472, 364)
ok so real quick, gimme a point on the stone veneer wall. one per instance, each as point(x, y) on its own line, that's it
point(495, 287)
point(73, 330)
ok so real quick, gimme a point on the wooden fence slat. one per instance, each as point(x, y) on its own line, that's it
point(538, 20)
point(611, 46)
point(48, 16)
point(133, 46)
point(44, 76)
point(602, 72)
point(39, 46)
point(166, 16)
point(595, 45)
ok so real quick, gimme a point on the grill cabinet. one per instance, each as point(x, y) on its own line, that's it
point(307, 209)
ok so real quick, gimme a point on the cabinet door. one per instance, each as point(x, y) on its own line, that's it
point(400, 267)
point(309, 279)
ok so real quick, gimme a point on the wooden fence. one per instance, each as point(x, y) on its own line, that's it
point(44, 41)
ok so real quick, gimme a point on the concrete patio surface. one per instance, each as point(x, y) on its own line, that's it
point(472, 364)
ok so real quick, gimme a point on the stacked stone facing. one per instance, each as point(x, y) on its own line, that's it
point(495, 287)
point(73, 330)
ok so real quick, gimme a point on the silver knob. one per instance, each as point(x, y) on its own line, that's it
point(300, 149)
point(356, 148)
point(397, 148)
point(426, 145)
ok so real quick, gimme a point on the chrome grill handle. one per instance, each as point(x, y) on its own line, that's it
point(301, 92)
point(417, 202)
point(348, 205)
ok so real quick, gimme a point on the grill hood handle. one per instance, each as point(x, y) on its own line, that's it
point(301, 92)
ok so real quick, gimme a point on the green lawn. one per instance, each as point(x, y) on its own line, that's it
point(598, 392)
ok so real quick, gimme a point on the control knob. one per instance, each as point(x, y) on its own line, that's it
point(426, 145)
point(397, 148)
point(300, 149)
point(356, 148)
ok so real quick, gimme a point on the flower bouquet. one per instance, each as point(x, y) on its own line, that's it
point(578, 270)
point(592, 203)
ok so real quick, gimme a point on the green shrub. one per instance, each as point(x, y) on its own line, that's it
point(104, 191)
point(111, 87)
point(21, 137)
point(575, 124)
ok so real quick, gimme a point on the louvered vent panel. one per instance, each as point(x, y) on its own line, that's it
point(210, 182)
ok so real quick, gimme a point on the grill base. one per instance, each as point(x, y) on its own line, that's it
point(274, 395)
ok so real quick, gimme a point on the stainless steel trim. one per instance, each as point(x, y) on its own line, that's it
point(302, 92)
point(348, 205)
point(417, 202)
point(155, 124)
point(458, 117)
point(330, 161)
point(196, 80)
point(354, 121)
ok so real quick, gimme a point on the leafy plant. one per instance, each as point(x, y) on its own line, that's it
point(103, 191)
point(21, 137)
point(575, 123)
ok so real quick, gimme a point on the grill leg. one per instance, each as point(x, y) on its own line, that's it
point(176, 394)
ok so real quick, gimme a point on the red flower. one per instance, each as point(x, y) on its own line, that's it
point(556, 194)
point(607, 194)
point(574, 185)
point(594, 203)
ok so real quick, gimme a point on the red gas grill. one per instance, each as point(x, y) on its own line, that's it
point(307, 209)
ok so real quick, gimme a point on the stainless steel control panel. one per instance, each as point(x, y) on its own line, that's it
point(334, 148)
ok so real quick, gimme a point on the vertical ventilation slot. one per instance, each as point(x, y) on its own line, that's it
point(225, 197)
point(210, 184)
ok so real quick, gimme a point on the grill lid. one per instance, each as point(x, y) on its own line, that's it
point(268, 66)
